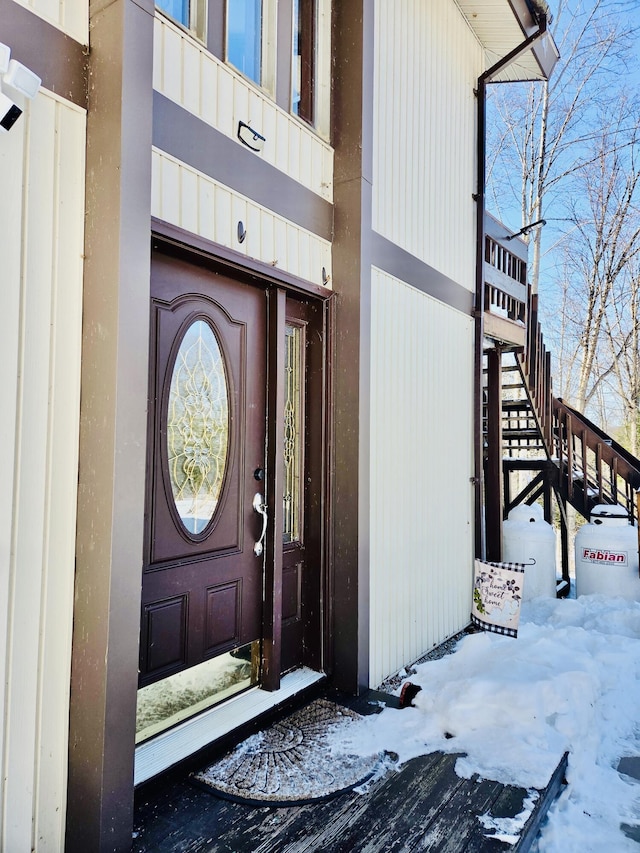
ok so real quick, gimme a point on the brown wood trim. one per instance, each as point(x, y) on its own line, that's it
point(284, 57)
point(59, 60)
point(328, 496)
point(193, 141)
point(272, 622)
point(176, 241)
point(113, 426)
point(216, 30)
point(401, 264)
point(352, 110)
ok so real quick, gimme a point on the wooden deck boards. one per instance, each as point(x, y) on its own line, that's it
point(423, 806)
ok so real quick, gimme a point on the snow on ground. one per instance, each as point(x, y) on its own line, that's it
point(569, 682)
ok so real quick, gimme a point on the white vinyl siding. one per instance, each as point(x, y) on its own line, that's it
point(190, 76)
point(427, 62)
point(41, 220)
point(187, 198)
point(421, 515)
point(70, 16)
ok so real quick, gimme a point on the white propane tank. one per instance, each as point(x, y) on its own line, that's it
point(607, 554)
point(527, 538)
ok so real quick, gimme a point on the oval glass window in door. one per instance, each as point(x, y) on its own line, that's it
point(198, 427)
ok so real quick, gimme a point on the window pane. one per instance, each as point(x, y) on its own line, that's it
point(178, 9)
point(303, 71)
point(244, 37)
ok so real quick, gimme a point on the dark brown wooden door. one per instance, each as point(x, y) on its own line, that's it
point(202, 580)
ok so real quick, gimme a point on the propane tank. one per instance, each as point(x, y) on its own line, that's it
point(607, 554)
point(527, 538)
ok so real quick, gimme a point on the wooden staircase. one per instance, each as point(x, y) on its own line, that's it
point(570, 460)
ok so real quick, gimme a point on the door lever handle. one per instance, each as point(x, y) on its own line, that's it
point(261, 509)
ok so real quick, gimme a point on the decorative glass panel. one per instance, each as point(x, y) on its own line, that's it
point(244, 37)
point(198, 427)
point(292, 434)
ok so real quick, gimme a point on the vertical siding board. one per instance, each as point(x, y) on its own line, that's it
point(189, 200)
point(29, 514)
point(172, 65)
point(62, 464)
point(240, 104)
point(209, 97)
point(423, 166)
point(238, 214)
point(223, 217)
point(158, 55)
point(254, 232)
point(206, 208)
point(170, 195)
point(11, 220)
point(156, 185)
point(421, 501)
point(191, 78)
point(225, 101)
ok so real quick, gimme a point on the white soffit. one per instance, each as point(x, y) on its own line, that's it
point(502, 25)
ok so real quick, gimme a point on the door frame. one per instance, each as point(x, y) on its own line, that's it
point(170, 240)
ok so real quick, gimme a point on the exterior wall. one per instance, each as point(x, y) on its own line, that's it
point(70, 16)
point(42, 227)
point(186, 73)
point(421, 517)
point(183, 196)
point(427, 65)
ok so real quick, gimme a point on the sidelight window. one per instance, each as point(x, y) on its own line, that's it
point(293, 435)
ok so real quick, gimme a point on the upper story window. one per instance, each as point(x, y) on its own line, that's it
point(250, 27)
point(190, 13)
point(244, 37)
point(303, 71)
point(282, 46)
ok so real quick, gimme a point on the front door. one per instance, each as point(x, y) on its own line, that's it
point(203, 574)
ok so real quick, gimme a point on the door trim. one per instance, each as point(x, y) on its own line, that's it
point(172, 241)
point(175, 241)
point(272, 616)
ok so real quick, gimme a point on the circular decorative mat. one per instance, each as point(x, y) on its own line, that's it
point(292, 762)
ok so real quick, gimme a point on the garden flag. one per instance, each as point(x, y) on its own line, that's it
point(497, 595)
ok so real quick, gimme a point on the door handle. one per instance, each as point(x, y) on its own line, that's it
point(261, 509)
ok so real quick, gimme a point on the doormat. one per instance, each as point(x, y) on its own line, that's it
point(292, 762)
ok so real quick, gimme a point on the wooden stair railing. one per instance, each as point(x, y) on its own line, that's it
point(592, 467)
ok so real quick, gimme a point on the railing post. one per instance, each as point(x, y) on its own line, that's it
point(599, 470)
point(585, 472)
point(493, 471)
point(569, 434)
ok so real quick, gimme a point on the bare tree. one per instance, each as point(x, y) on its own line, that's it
point(623, 343)
point(542, 133)
point(600, 255)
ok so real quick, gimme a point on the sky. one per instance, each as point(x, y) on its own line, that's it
point(569, 682)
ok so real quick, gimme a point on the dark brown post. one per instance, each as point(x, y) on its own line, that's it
point(353, 34)
point(275, 443)
point(493, 472)
point(113, 429)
